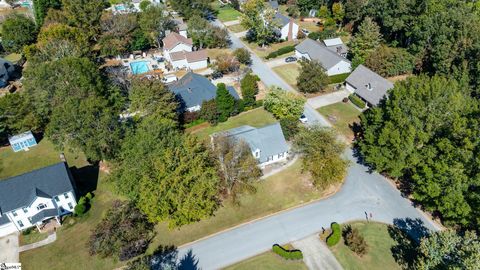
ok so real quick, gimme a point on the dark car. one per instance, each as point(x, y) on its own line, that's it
point(217, 75)
point(290, 59)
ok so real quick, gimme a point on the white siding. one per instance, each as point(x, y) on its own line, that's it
point(350, 88)
point(194, 108)
point(179, 64)
point(198, 64)
point(275, 159)
point(295, 29)
point(180, 47)
point(183, 33)
point(300, 55)
point(340, 68)
point(284, 31)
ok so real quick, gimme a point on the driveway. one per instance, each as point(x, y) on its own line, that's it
point(277, 62)
point(9, 248)
point(316, 254)
point(328, 99)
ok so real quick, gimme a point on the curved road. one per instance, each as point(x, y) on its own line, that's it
point(362, 192)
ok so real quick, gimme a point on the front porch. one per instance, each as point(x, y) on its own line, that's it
point(49, 225)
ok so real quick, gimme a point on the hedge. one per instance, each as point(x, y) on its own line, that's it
point(335, 236)
point(293, 254)
point(280, 51)
point(357, 101)
point(339, 78)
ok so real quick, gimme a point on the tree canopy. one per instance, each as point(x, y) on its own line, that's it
point(283, 104)
point(18, 31)
point(312, 77)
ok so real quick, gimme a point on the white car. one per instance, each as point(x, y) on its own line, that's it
point(303, 119)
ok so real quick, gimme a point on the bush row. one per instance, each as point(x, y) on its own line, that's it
point(281, 51)
point(293, 254)
point(357, 101)
point(335, 236)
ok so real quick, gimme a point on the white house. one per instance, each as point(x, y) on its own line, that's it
point(288, 28)
point(333, 63)
point(336, 45)
point(268, 144)
point(35, 198)
point(181, 27)
point(178, 51)
point(368, 85)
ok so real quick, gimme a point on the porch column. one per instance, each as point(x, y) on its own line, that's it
point(58, 220)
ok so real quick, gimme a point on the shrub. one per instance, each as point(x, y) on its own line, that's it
point(209, 111)
point(293, 254)
point(357, 101)
point(280, 51)
point(80, 209)
point(354, 240)
point(335, 236)
point(89, 196)
point(249, 88)
point(243, 56)
point(144, 4)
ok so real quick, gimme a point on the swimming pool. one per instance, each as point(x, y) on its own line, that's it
point(139, 67)
point(120, 7)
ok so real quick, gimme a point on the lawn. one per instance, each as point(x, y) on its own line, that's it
point(42, 155)
point(268, 261)
point(256, 118)
point(13, 57)
point(215, 52)
point(237, 28)
point(225, 13)
point(280, 191)
point(289, 73)
point(342, 116)
point(264, 51)
point(379, 254)
point(32, 237)
point(309, 26)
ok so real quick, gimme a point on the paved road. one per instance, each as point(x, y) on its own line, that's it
point(363, 192)
point(316, 254)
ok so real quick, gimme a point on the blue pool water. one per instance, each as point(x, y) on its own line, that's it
point(120, 7)
point(139, 67)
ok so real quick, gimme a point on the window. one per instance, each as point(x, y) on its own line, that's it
point(66, 195)
point(269, 158)
point(281, 155)
point(61, 209)
point(70, 205)
point(20, 223)
point(14, 213)
point(25, 210)
point(57, 199)
point(41, 206)
point(30, 219)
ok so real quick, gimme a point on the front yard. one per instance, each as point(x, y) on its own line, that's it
point(289, 73)
point(268, 261)
point(342, 116)
point(262, 52)
point(379, 255)
point(225, 13)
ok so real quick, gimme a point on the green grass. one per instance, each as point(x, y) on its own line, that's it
point(268, 261)
point(288, 73)
point(13, 57)
point(225, 13)
point(237, 28)
point(42, 155)
point(33, 237)
point(280, 191)
point(339, 78)
point(342, 116)
point(256, 118)
point(262, 52)
point(379, 254)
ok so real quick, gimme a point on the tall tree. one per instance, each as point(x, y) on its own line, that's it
point(189, 8)
point(225, 103)
point(117, 32)
point(238, 168)
point(17, 31)
point(260, 20)
point(338, 12)
point(321, 152)
point(366, 40)
point(388, 61)
point(154, 22)
point(249, 86)
point(41, 7)
point(151, 97)
point(283, 104)
point(85, 15)
point(312, 77)
point(206, 35)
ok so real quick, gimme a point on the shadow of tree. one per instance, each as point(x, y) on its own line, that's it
point(165, 257)
point(188, 262)
point(407, 234)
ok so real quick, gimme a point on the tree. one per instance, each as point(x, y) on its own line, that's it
point(312, 77)
point(324, 13)
point(290, 127)
point(237, 167)
point(243, 56)
point(449, 250)
point(169, 175)
point(190, 8)
point(434, 152)
point(355, 241)
point(225, 103)
point(260, 21)
point(249, 87)
point(117, 33)
point(283, 104)
point(17, 32)
point(388, 61)
point(85, 15)
point(321, 155)
point(124, 232)
point(206, 35)
point(338, 12)
point(209, 111)
point(366, 40)
point(154, 23)
point(226, 63)
point(354, 10)
point(152, 97)
point(41, 7)
point(144, 5)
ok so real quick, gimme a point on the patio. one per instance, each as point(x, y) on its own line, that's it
point(49, 225)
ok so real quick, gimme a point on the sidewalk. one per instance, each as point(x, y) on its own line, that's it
point(277, 170)
point(50, 239)
point(328, 99)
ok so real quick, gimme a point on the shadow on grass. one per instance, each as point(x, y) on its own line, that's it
point(86, 178)
point(165, 257)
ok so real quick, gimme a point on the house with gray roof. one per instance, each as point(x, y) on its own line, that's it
point(273, 4)
point(288, 29)
point(337, 46)
point(368, 85)
point(6, 71)
point(332, 62)
point(268, 144)
point(193, 89)
point(35, 198)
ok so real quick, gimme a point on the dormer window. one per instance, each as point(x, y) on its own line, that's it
point(57, 199)
point(41, 206)
point(65, 195)
point(25, 210)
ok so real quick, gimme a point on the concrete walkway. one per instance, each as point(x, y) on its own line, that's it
point(9, 248)
point(277, 170)
point(316, 254)
point(328, 99)
point(50, 239)
point(230, 23)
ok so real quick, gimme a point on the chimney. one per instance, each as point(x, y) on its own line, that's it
point(62, 157)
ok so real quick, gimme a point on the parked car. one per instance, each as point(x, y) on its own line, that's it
point(303, 119)
point(305, 31)
point(217, 75)
point(290, 59)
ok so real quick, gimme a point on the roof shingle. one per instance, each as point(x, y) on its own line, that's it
point(369, 85)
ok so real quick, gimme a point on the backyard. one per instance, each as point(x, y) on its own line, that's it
point(268, 261)
point(379, 255)
point(225, 13)
point(342, 116)
point(288, 73)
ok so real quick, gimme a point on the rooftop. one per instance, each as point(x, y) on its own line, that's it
point(319, 52)
point(173, 39)
point(369, 85)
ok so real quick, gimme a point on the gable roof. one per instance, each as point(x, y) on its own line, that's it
point(284, 20)
point(19, 191)
point(268, 139)
point(361, 77)
point(173, 39)
point(332, 42)
point(317, 51)
point(193, 89)
point(191, 57)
